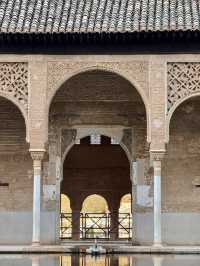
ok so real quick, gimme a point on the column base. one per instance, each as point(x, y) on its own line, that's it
point(35, 244)
point(157, 245)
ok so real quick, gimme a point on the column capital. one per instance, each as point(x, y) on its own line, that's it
point(157, 155)
point(37, 154)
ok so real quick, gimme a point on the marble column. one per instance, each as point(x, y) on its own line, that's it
point(157, 158)
point(37, 156)
point(134, 174)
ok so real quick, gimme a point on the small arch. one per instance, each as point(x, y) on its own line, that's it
point(126, 204)
point(125, 216)
point(65, 217)
point(65, 205)
point(22, 111)
point(95, 203)
point(173, 109)
point(121, 74)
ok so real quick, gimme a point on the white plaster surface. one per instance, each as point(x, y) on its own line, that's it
point(177, 228)
point(16, 227)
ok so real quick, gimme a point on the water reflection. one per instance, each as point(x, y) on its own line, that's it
point(112, 260)
point(157, 260)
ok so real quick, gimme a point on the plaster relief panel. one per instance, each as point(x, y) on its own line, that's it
point(14, 82)
point(183, 81)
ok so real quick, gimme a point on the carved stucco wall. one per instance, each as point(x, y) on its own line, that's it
point(183, 82)
point(14, 83)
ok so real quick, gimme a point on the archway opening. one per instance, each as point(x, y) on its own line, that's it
point(181, 173)
point(96, 166)
point(97, 113)
point(16, 183)
point(95, 204)
point(94, 217)
point(65, 204)
point(66, 217)
point(125, 216)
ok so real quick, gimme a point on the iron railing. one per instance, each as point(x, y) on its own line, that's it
point(65, 225)
point(97, 225)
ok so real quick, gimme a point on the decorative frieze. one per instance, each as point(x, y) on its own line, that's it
point(37, 155)
point(183, 81)
point(14, 82)
point(157, 155)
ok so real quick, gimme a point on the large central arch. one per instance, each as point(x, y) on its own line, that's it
point(124, 75)
point(96, 101)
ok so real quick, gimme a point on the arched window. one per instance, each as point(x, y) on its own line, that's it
point(95, 217)
point(65, 204)
point(125, 217)
point(95, 204)
point(125, 204)
point(65, 217)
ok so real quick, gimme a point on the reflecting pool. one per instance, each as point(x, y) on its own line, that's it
point(112, 260)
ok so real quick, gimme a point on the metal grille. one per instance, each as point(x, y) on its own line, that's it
point(125, 225)
point(97, 225)
point(65, 225)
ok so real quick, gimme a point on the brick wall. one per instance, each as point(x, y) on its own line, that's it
point(181, 166)
point(16, 164)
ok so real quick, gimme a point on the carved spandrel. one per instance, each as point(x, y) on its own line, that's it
point(183, 81)
point(14, 82)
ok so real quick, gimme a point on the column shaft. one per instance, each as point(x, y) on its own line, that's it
point(134, 199)
point(157, 203)
point(37, 165)
point(36, 208)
